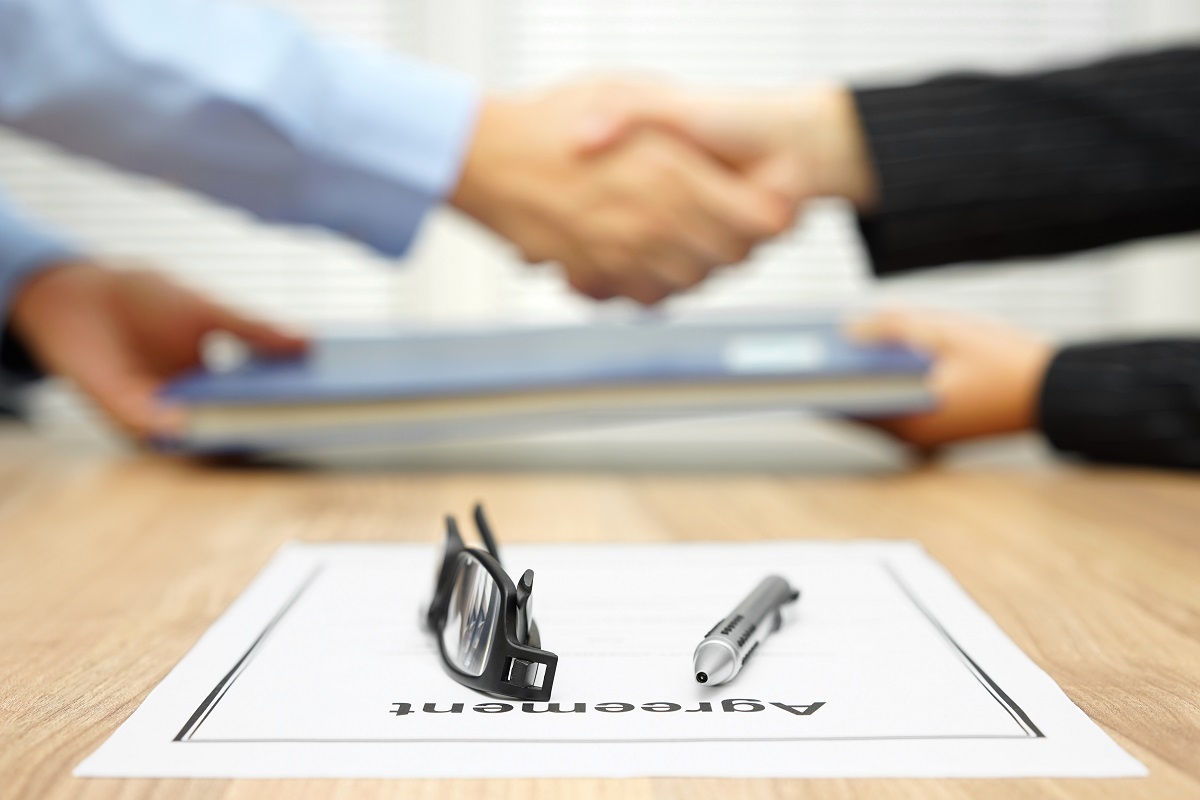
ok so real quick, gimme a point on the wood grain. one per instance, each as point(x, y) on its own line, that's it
point(114, 566)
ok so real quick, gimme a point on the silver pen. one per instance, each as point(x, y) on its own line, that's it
point(723, 652)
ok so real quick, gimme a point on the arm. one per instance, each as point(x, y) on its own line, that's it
point(965, 167)
point(117, 334)
point(120, 334)
point(240, 103)
point(1127, 402)
point(973, 167)
point(1131, 403)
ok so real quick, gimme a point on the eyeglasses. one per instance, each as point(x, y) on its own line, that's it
point(483, 622)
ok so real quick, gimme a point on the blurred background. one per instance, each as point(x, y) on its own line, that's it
point(459, 274)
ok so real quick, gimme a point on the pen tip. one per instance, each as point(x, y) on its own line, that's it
point(701, 677)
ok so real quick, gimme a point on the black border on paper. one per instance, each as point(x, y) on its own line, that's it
point(188, 731)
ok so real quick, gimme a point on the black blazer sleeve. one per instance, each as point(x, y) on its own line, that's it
point(1133, 403)
point(976, 167)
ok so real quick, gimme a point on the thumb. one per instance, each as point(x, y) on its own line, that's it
point(603, 131)
point(262, 336)
point(130, 399)
point(784, 178)
point(897, 326)
point(606, 129)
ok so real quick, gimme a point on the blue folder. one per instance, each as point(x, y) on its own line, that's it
point(426, 385)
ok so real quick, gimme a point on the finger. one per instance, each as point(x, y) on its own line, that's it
point(670, 270)
point(697, 239)
point(262, 336)
point(742, 212)
point(131, 400)
point(709, 239)
point(627, 272)
point(648, 290)
point(638, 108)
point(600, 132)
point(784, 176)
point(586, 277)
point(921, 431)
point(591, 284)
point(731, 128)
point(880, 325)
point(704, 209)
point(646, 285)
point(582, 272)
point(641, 273)
point(922, 330)
point(605, 268)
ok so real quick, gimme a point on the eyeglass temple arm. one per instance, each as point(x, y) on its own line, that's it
point(485, 532)
point(452, 532)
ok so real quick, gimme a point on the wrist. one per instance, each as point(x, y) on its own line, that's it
point(476, 190)
point(466, 193)
point(35, 299)
point(832, 137)
point(1027, 408)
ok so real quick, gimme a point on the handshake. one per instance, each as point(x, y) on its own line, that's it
point(641, 189)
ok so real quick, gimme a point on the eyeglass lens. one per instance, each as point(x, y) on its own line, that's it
point(472, 616)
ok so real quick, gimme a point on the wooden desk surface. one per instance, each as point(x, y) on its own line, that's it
point(114, 566)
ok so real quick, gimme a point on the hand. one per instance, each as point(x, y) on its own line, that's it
point(120, 334)
point(803, 143)
point(644, 219)
point(986, 376)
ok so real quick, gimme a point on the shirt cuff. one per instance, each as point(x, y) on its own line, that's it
point(392, 145)
point(1131, 402)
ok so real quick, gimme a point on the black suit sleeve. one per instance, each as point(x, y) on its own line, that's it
point(1133, 403)
point(976, 167)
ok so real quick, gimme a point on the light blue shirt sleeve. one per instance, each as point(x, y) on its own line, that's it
point(241, 103)
point(24, 248)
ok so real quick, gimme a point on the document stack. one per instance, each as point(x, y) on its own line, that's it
point(435, 386)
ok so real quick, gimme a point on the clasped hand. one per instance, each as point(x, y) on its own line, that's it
point(640, 189)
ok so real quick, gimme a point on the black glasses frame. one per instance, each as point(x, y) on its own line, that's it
point(517, 667)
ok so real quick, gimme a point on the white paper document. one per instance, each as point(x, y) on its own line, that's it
point(884, 667)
